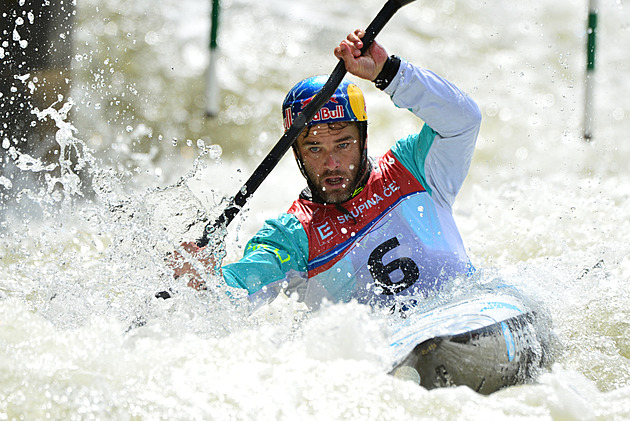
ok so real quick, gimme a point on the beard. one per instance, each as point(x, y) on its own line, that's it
point(333, 186)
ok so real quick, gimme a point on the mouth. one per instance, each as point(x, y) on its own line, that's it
point(335, 182)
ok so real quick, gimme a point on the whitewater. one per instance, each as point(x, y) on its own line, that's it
point(82, 250)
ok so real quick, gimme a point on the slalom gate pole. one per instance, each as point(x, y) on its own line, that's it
point(212, 86)
point(590, 70)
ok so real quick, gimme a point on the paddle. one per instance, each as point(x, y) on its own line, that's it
point(285, 142)
point(301, 121)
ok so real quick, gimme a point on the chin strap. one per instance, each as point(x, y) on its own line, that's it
point(364, 177)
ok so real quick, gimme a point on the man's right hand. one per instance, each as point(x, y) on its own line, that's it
point(366, 66)
point(182, 266)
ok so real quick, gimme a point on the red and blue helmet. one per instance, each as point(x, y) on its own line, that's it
point(346, 104)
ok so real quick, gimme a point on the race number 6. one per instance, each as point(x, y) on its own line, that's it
point(381, 272)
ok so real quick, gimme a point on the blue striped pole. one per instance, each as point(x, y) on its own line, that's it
point(212, 87)
point(590, 70)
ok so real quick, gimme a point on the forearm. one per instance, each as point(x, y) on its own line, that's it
point(279, 247)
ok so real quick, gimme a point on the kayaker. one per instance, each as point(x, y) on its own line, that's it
point(374, 230)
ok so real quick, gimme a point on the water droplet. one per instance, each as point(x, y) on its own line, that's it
point(522, 153)
point(215, 151)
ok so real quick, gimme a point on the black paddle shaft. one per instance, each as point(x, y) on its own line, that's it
point(301, 121)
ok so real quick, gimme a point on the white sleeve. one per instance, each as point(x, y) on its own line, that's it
point(443, 159)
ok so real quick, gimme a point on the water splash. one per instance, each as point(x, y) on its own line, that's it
point(69, 147)
point(73, 282)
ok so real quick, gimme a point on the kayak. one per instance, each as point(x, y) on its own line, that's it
point(487, 343)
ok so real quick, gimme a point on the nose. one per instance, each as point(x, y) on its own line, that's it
point(331, 162)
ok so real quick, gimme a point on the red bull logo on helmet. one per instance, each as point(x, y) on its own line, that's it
point(328, 112)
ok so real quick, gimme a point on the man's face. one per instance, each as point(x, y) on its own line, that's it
point(331, 156)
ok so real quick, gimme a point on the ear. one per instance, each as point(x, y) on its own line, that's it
point(296, 146)
point(298, 160)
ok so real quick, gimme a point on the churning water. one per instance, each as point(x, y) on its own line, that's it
point(139, 168)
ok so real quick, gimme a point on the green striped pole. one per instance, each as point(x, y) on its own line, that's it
point(212, 87)
point(590, 70)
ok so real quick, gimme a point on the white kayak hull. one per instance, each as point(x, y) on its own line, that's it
point(486, 343)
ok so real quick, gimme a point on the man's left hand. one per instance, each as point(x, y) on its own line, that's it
point(182, 266)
